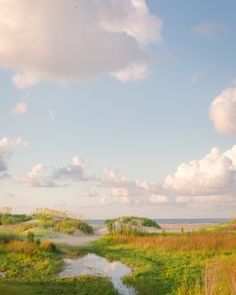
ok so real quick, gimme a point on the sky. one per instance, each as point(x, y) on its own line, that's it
point(112, 108)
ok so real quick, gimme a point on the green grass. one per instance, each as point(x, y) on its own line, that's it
point(169, 264)
point(80, 286)
point(162, 264)
point(32, 267)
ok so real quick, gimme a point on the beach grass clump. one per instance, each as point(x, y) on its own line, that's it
point(130, 224)
point(9, 219)
point(70, 226)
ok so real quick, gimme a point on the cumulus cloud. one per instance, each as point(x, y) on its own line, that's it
point(19, 109)
point(213, 175)
point(209, 29)
point(6, 143)
point(133, 191)
point(35, 177)
point(76, 40)
point(210, 180)
point(223, 111)
point(77, 171)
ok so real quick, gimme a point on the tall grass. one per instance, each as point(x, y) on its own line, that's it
point(195, 241)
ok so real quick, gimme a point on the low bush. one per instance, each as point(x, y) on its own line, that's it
point(48, 246)
point(149, 222)
point(8, 219)
point(69, 226)
point(6, 238)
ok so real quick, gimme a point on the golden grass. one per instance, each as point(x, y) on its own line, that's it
point(220, 277)
point(180, 242)
point(26, 247)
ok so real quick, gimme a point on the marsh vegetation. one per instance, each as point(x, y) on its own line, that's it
point(188, 263)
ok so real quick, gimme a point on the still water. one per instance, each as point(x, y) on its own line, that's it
point(92, 264)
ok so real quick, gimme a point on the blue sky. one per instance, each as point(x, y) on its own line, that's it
point(142, 128)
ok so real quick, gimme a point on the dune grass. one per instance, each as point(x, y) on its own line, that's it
point(43, 221)
point(196, 263)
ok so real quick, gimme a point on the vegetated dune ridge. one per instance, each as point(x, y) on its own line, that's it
point(81, 239)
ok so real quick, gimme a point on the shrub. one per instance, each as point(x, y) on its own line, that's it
point(48, 246)
point(85, 227)
point(69, 226)
point(6, 238)
point(30, 236)
point(149, 222)
point(26, 247)
point(130, 223)
point(8, 219)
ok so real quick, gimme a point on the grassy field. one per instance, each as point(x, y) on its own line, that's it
point(30, 264)
point(31, 267)
point(80, 286)
point(175, 264)
point(197, 263)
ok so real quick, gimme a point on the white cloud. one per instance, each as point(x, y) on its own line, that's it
point(19, 109)
point(21, 142)
point(132, 72)
point(75, 40)
point(223, 111)
point(209, 29)
point(132, 191)
point(6, 143)
point(214, 174)
point(210, 180)
point(77, 171)
point(35, 177)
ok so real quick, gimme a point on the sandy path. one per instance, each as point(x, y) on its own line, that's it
point(79, 239)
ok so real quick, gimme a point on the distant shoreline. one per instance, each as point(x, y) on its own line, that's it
point(175, 221)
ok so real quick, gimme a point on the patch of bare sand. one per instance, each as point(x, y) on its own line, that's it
point(179, 227)
point(79, 238)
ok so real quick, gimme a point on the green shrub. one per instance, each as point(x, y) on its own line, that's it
point(149, 222)
point(8, 219)
point(30, 236)
point(69, 226)
point(6, 238)
point(130, 223)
